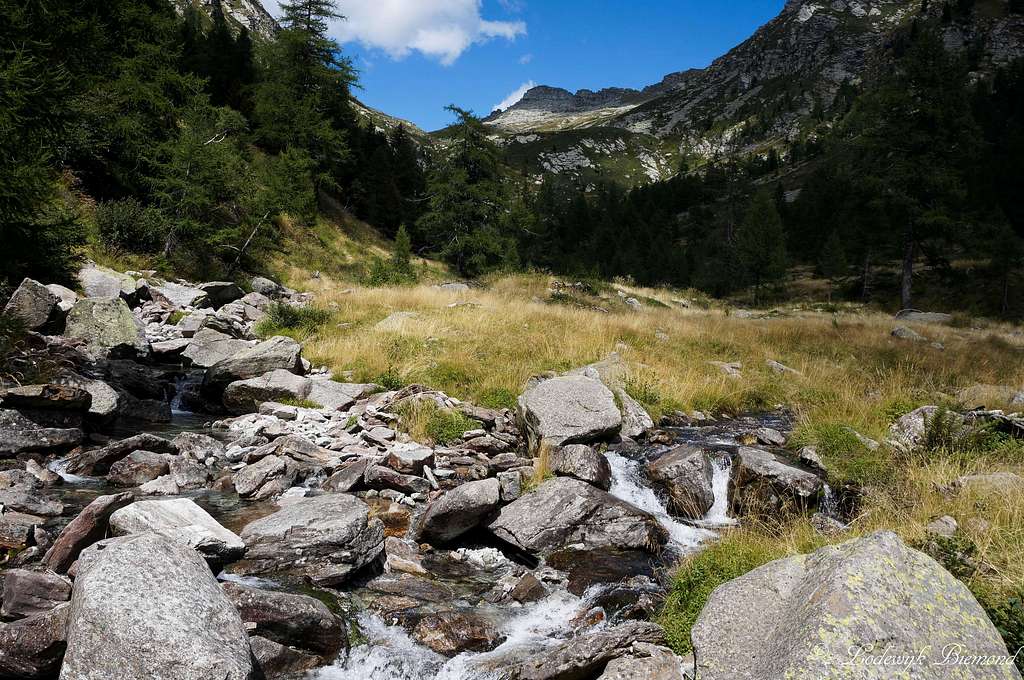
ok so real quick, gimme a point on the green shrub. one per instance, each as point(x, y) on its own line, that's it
point(130, 226)
point(845, 454)
point(946, 434)
point(389, 380)
point(301, 403)
point(697, 577)
point(498, 398)
point(444, 427)
point(1007, 613)
point(282, 319)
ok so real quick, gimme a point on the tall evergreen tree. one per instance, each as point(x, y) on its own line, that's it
point(760, 243)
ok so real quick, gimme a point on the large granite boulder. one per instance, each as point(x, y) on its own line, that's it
point(100, 282)
point(108, 327)
point(459, 510)
point(220, 293)
point(99, 461)
point(88, 527)
point(326, 538)
point(33, 304)
point(146, 606)
point(565, 511)
point(139, 467)
point(270, 355)
point(245, 396)
point(337, 396)
point(765, 482)
point(289, 618)
point(180, 520)
point(26, 593)
point(209, 347)
point(571, 409)
point(588, 654)
point(19, 434)
point(685, 473)
point(830, 613)
point(33, 648)
point(582, 462)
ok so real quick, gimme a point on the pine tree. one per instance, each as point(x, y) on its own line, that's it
point(760, 243)
point(832, 261)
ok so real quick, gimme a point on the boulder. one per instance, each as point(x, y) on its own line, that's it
point(904, 333)
point(47, 397)
point(987, 396)
point(685, 473)
point(582, 462)
point(88, 527)
point(380, 478)
point(182, 521)
point(100, 282)
point(265, 286)
point(289, 619)
point(32, 592)
point(106, 402)
point(409, 458)
point(19, 434)
point(1000, 484)
point(245, 396)
point(33, 304)
point(27, 500)
point(66, 298)
point(209, 347)
point(177, 295)
point(587, 654)
point(18, 530)
point(219, 293)
point(812, 615)
point(326, 538)
point(169, 351)
point(98, 461)
point(635, 418)
point(193, 322)
point(335, 396)
point(908, 432)
point(564, 511)
point(139, 467)
point(649, 662)
point(161, 486)
point(33, 648)
point(348, 477)
point(278, 661)
point(108, 327)
point(198, 446)
point(572, 409)
point(915, 316)
point(459, 510)
point(273, 354)
point(450, 633)
point(257, 480)
point(145, 606)
point(766, 482)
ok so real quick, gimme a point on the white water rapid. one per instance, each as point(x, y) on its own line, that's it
point(718, 515)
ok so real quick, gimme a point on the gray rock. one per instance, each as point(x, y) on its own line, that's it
point(335, 396)
point(765, 482)
point(915, 316)
point(635, 419)
point(88, 527)
point(991, 484)
point(33, 648)
point(161, 486)
point(271, 355)
point(45, 476)
point(47, 397)
point(192, 323)
point(326, 538)
point(452, 632)
point(66, 298)
point(801, 616)
point(511, 482)
point(198, 446)
point(380, 478)
point(33, 304)
point(219, 293)
point(348, 476)
point(278, 661)
point(395, 321)
point(944, 526)
point(571, 409)
point(564, 511)
point(587, 654)
point(780, 368)
point(459, 510)
point(170, 350)
point(289, 619)
point(904, 333)
point(647, 662)
point(108, 327)
point(250, 480)
point(177, 295)
point(685, 473)
point(209, 347)
point(908, 432)
point(582, 462)
point(245, 396)
point(100, 282)
point(139, 467)
point(19, 434)
point(809, 458)
point(28, 501)
point(266, 287)
point(106, 402)
point(182, 521)
point(409, 458)
point(145, 606)
point(26, 593)
point(98, 461)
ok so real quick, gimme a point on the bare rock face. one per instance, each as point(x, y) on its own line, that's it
point(326, 538)
point(145, 606)
point(571, 409)
point(565, 511)
point(685, 473)
point(459, 510)
point(180, 520)
point(801, 616)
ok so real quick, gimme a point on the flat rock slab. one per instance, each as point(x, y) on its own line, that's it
point(800, 617)
point(571, 409)
point(565, 511)
point(180, 520)
point(19, 434)
point(146, 606)
point(99, 461)
point(326, 538)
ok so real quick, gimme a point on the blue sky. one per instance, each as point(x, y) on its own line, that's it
point(417, 56)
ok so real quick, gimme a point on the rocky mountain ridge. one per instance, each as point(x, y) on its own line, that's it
point(248, 13)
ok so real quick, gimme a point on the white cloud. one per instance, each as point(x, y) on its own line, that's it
point(440, 29)
point(514, 98)
point(525, 59)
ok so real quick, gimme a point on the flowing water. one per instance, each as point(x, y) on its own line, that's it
point(718, 515)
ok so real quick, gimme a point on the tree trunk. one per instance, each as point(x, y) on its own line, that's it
point(907, 285)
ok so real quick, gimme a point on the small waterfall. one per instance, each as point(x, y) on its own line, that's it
point(718, 515)
point(829, 505)
point(179, 393)
point(628, 485)
point(60, 467)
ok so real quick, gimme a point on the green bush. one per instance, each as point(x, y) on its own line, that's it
point(844, 453)
point(498, 398)
point(282, 319)
point(1007, 613)
point(444, 427)
point(697, 577)
point(389, 380)
point(130, 226)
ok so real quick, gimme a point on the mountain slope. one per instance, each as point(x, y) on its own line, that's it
point(248, 13)
point(770, 90)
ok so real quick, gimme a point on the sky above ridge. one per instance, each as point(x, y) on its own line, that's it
point(415, 57)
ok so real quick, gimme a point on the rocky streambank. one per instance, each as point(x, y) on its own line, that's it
point(181, 499)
